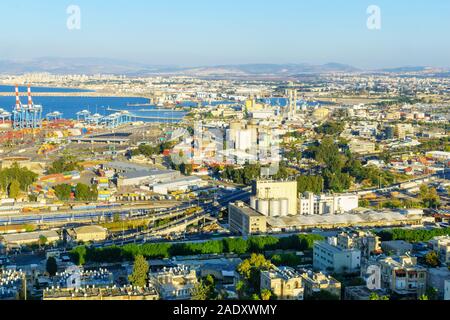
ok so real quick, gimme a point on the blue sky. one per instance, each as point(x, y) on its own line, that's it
point(209, 32)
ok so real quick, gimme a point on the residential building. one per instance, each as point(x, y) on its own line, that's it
point(396, 247)
point(327, 256)
point(316, 282)
point(284, 282)
point(367, 242)
point(436, 278)
point(110, 293)
point(324, 204)
point(244, 220)
point(361, 146)
point(362, 293)
point(442, 246)
point(174, 283)
point(402, 275)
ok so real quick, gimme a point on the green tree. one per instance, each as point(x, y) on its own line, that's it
point(140, 272)
point(64, 164)
point(78, 255)
point(375, 296)
point(205, 289)
point(432, 259)
point(250, 269)
point(266, 294)
point(42, 240)
point(51, 266)
point(63, 191)
point(429, 197)
point(14, 189)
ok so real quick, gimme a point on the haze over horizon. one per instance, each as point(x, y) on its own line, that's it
point(202, 33)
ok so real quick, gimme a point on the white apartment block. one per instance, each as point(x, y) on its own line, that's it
point(328, 257)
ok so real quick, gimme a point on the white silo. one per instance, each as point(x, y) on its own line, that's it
point(263, 207)
point(275, 208)
point(253, 201)
point(284, 207)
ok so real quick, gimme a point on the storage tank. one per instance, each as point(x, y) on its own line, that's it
point(253, 202)
point(274, 208)
point(284, 207)
point(263, 207)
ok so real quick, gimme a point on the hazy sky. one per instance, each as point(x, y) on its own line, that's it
point(205, 32)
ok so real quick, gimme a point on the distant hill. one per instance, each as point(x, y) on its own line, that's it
point(113, 66)
point(91, 66)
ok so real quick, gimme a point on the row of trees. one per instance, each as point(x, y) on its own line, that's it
point(82, 192)
point(412, 235)
point(16, 179)
point(83, 254)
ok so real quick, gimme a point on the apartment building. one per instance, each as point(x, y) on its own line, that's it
point(244, 220)
point(284, 282)
point(442, 246)
point(328, 257)
point(361, 146)
point(367, 242)
point(402, 275)
point(316, 282)
point(174, 283)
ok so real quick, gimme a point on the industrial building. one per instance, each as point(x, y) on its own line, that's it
point(31, 237)
point(365, 218)
point(311, 204)
point(244, 220)
point(130, 174)
point(88, 233)
point(275, 198)
point(180, 184)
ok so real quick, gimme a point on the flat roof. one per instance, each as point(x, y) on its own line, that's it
point(247, 210)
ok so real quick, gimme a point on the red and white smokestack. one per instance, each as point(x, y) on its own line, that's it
point(17, 98)
point(30, 101)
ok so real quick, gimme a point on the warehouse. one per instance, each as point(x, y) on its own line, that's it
point(180, 184)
